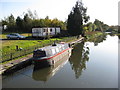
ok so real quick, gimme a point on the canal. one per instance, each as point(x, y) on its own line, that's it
point(92, 64)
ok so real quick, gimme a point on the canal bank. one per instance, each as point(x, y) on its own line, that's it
point(14, 65)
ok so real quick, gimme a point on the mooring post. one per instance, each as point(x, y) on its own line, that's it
point(17, 47)
point(11, 56)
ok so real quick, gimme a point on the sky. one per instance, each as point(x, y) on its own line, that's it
point(103, 10)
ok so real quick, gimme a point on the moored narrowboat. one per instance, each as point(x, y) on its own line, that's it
point(50, 55)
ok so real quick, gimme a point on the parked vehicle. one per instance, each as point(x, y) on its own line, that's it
point(15, 36)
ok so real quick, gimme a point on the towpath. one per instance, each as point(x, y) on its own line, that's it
point(9, 64)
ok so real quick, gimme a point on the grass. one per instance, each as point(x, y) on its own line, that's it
point(10, 45)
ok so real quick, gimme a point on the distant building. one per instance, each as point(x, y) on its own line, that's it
point(4, 27)
point(1, 27)
point(45, 31)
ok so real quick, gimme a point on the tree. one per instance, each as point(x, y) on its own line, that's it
point(32, 15)
point(19, 23)
point(100, 25)
point(11, 23)
point(11, 20)
point(76, 18)
point(27, 23)
point(89, 25)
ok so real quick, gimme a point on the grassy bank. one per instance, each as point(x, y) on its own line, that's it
point(9, 51)
point(10, 45)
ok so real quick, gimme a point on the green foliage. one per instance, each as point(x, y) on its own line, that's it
point(76, 18)
point(91, 26)
point(96, 26)
point(30, 20)
point(100, 25)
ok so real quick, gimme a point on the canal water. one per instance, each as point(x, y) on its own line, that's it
point(92, 64)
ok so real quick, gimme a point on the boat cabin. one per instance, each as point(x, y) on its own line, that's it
point(49, 50)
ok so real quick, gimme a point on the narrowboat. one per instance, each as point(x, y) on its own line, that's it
point(49, 55)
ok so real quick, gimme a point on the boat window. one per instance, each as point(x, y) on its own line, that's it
point(53, 51)
point(44, 30)
point(51, 30)
point(57, 50)
point(49, 52)
point(39, 54)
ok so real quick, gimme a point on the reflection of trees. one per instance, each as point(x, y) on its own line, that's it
point(111, 34)
point(98, 39)
point(78, 58)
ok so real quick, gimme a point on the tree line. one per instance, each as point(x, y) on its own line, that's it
point(97, 25)
point(30, 20)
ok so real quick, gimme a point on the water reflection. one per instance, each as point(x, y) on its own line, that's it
point(44, 74)
point(80, 54)
point(98, 39)
point(119, 36)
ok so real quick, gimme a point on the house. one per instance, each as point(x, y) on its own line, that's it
point(45, 31)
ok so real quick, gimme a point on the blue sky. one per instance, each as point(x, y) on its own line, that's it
point(104, 10)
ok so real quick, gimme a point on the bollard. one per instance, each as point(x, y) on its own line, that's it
point(17, 47)
point(11, 56)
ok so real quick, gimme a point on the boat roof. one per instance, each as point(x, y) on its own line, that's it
point(52, 47)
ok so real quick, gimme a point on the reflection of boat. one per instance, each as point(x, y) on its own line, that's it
point(44, 74)
point(49, 55)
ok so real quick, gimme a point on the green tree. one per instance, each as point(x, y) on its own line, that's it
point(101, 26)
point(11, 20)
point(89, 25)
point(76, 18)
point(47, 21)
point(27, 23)
point(11, 23)
point(19, 23)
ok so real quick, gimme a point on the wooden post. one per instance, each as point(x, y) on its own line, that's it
point(11, 56)
point(17, 47)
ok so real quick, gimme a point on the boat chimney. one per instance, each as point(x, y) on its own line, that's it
point(54, 44)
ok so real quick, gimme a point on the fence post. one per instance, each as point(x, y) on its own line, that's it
point(25, 52)
point(17, 47)
point(11, 56)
